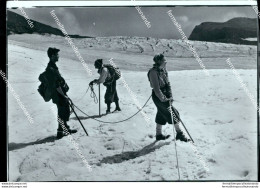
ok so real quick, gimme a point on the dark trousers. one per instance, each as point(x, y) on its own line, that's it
point(163, 115)
point(63, 112)
point(111, 93)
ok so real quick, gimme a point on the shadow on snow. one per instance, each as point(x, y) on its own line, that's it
point(119, 158)
point(15, 146)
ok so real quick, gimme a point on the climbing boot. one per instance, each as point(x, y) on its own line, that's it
point(61, 133)
point(162, 137)
point(71, 131)
point(180, 136)
point(117, 109)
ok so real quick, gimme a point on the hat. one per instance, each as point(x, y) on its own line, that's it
point(52, 51)
point(158, 58)
point(99, 62)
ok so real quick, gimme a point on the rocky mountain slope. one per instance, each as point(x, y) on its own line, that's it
point(232, 31)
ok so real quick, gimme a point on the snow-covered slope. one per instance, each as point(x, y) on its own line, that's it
point(215, 109)
point(136, 53)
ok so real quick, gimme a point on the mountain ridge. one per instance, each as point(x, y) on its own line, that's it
point(233, 31)
point(17, 24)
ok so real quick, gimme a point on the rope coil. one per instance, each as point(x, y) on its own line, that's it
point(92, 94)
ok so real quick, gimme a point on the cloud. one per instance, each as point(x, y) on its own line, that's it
point(126, 21)
point(69, 20)
point(183, 19)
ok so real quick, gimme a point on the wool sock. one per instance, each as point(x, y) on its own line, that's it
point(158, 129)
point(177, 127)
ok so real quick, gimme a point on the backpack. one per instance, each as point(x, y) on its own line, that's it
point(148, 74)
point(44, 89)
point(114, 71)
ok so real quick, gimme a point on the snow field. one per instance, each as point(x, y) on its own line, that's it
point(215, 109)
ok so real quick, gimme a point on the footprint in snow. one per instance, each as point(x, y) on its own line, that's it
point(112, 130)
point(150, 135)
point(202, 174)
point(245, 173)
point(141, 161)
point(109, 147)
point(239, 137)
point(212, 161)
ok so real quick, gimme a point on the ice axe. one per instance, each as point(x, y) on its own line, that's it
point(72, 107)
point(181, 122)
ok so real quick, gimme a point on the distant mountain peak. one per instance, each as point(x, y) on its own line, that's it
point(231, 31)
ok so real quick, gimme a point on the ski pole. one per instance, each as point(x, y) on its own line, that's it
point(77, 116)
point(176, 153)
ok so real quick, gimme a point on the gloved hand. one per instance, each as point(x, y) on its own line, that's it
point(91, 83)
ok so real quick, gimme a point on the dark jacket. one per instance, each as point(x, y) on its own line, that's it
point(55, 81)
point(159, 81)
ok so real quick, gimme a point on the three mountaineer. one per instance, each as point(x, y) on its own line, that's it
point(162, 97)
point(53, 86)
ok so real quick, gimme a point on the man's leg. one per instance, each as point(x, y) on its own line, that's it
point(60, 121)
point(60, 124)
point(115, 96)
point(63, 117)
point(176, 121)
point(108, 98)
point(117, 106)
point(108, 107)
point(158, 129)
point(177, 127)
point(160, 120)
point(159, 123)
point(66, 116)
point(61, 131)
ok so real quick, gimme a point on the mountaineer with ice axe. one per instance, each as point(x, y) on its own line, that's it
point(162, 98)
point(53, 86)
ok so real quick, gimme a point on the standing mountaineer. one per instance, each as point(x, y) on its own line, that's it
point(56, 88)
point(108, 76)
point(162, 95)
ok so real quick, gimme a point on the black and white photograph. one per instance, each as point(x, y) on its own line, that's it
point(132, 93)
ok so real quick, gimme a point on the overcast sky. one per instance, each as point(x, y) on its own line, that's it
point(126, 21)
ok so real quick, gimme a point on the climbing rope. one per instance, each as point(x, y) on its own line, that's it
point(92, 94)
point(73, 105)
